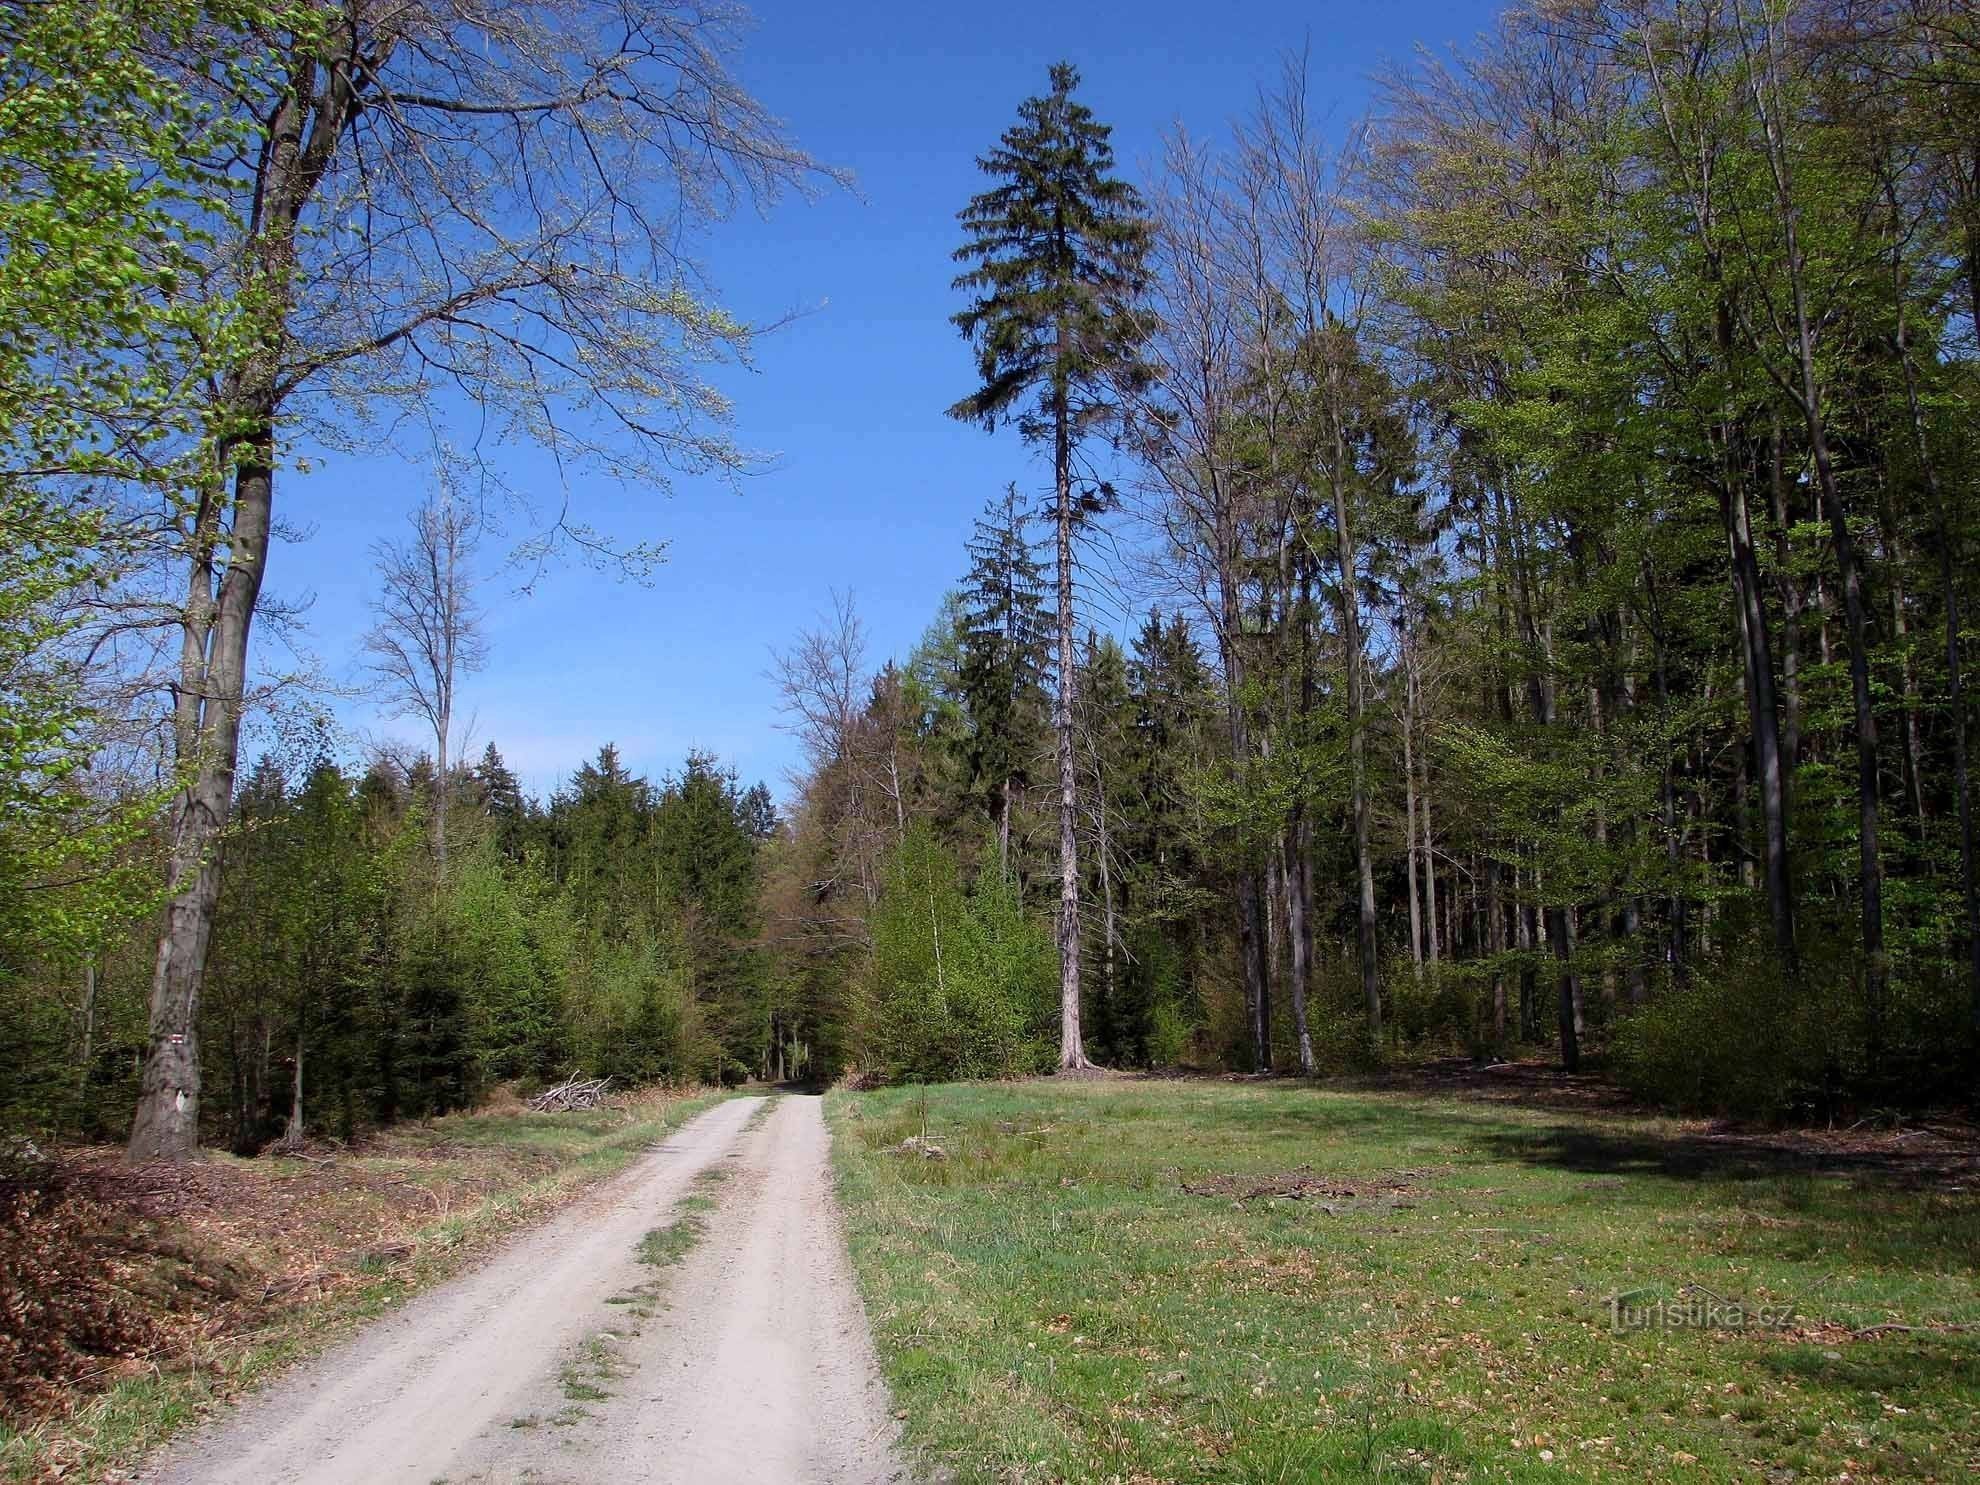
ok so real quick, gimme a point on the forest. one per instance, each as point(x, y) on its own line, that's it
point(1498, 580)
point(1548, 516)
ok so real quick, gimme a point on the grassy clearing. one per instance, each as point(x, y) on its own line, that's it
point(1113, 1282)
point(313, 1247)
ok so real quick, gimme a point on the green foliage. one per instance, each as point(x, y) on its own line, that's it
point(961, 980)
point(1059, 245)
point(633, 1011)
point(73, 859)
point(504, 923)
point(1741, 1040)
point(1004, 635)
point(111, 183)
point(1157, 1020)
point(613, 932)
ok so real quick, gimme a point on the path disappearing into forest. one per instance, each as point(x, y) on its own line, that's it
point(566, 1360)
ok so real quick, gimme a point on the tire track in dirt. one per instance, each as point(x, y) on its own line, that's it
point(755, 1364)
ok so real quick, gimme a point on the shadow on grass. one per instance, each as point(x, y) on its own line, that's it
point(1875, 1201)
point(1612, 1140)
point(1900, 1366)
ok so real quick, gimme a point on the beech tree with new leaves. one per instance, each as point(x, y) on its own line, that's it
point(477, 199)
point(109, 194)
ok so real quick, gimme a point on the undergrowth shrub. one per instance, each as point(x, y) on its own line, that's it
point(1434, 1007)
point(1739, 1040)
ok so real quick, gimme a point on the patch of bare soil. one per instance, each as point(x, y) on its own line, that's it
point(1528, 1082)
point(1089, 1072)
point(1328, 1191)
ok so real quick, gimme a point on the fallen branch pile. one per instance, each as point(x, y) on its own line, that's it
point(575, 1092)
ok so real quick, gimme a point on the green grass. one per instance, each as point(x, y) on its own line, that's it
point(558, 1154)
point(666, 1246)
point(582, 1376)
point(1051, 1305)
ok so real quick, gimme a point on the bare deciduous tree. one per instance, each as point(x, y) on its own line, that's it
point(1182, 428)
point(822, 681)
point(482, 200)
point(819, 681)
point(428, 632)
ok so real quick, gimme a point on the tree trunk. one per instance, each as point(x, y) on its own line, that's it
point(1004, 829)
point(1914, 723)
point(1495, 945)
point(1409, 825)
point(1869, 864)
point(1527, 938)
point(296, 150)
point(1251, 950)
point(293, 1135)
point(88, 1040)
point(207, 726)
point(1763, 710)
point(1632, 927)
point(1275, 897)
point(440, 791)
point(1955, 686)
point(1109, 991)
point(1350, 609)
point(1429, 869)
point(1675, 947)
point(1299, 927)
point(1791, 604)
point(1299, 838)
point(1248, 893)
point(1072, 1049)
point(1955, 694)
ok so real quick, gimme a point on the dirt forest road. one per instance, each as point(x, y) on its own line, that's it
point(566, 1359)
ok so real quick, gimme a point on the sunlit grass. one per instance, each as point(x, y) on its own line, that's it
point(1051, 1304)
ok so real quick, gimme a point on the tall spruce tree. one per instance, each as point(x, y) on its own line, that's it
point(1058, 249)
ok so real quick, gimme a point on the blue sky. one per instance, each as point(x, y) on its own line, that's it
point(873, 488)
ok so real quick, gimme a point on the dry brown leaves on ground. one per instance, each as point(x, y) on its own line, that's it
point(107, 1268)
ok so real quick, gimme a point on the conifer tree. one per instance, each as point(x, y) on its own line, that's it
point(501, 797)
point(1057, 249)
point(1004, 639)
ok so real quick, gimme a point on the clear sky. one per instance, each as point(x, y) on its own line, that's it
point(873, 488)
